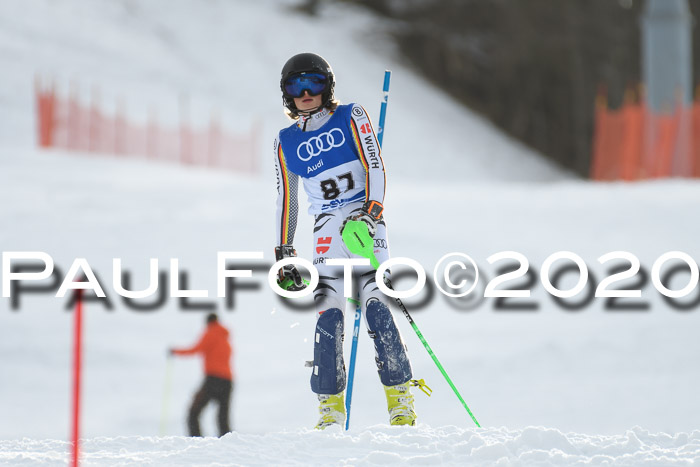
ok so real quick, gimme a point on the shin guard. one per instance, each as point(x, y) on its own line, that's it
point(328, 376)
point(392, 361)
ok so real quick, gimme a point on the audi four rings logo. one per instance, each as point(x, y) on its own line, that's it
point(321, 143)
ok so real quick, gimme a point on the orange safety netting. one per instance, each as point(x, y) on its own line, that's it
point(635, 143)
point(68, 124)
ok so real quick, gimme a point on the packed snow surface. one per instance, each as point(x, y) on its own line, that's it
point(376, 445)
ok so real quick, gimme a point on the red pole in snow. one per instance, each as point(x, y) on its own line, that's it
point(77, 358)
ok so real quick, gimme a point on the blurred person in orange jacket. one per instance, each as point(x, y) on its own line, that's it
point(218, 382)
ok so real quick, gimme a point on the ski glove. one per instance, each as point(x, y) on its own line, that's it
point(370, 214)
point(289, 277)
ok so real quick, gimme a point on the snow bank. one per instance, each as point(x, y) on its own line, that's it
point(377, 445)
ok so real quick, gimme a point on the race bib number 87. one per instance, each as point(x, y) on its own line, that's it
point(331, 189)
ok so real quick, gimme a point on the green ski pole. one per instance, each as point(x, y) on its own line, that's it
point(357, 238)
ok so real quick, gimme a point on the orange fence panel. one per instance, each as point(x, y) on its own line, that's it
point(663, 149)
point(633, 143)
point(45, 100)
point(631, 151)
point(68, 124)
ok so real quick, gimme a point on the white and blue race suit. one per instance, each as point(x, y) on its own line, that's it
point(337, 156)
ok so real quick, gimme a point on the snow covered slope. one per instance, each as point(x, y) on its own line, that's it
point(228, 55)
point(592, 371)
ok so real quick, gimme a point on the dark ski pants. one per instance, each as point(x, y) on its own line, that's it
point(218, 389)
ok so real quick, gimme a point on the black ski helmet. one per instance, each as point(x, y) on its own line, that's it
point(307, 62)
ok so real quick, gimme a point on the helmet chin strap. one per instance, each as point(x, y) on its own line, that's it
point(310, 112)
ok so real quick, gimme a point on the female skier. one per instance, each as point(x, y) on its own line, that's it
point(333, 148)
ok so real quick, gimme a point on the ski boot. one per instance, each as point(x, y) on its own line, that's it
point(400, 403)
point(332, 409)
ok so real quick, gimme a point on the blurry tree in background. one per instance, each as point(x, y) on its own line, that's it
point(533, 67)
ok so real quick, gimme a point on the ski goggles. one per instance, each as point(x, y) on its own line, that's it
point(315, 83)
